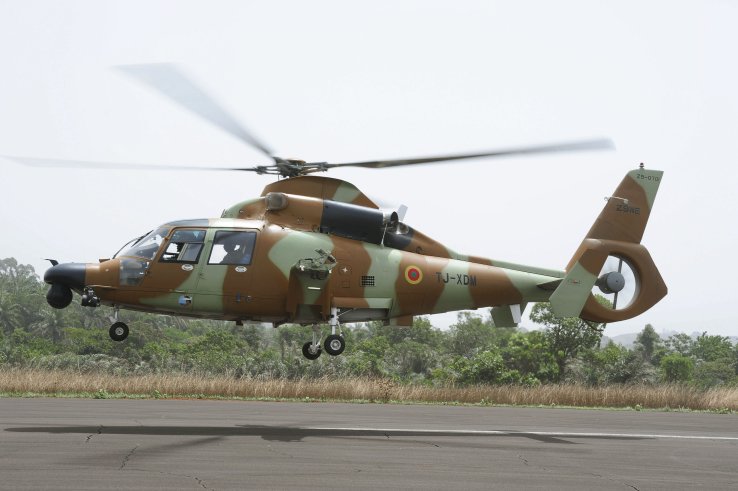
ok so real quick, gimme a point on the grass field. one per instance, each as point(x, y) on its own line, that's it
point(66, 384)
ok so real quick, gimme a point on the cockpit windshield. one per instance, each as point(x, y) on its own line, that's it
point(145, 247)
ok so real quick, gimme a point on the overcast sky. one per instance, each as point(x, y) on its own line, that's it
point(343, 81)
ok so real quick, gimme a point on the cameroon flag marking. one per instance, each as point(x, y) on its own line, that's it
point(413, 275)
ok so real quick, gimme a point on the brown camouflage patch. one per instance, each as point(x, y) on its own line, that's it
point(621, 221)
point(316, 187)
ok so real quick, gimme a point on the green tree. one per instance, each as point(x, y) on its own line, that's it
point(566, 337)
point(530, 355)
point(470, 334)
point(410, 357)
point(613, 364)
point(291, 338)
point(648, 342)
point(21, 295)
point(715, 360)
point(251, 333)
point(421, 331)
point(217, 351)
point(11, 314)
point(680, 343)
point(486, 367)
point(22, 347)
point(676, 367)
point(712, 348)
point(367, 357)
point(713, 373)
point(50, 324)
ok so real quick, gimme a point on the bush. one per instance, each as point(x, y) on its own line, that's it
point(486, 367)
point(676, 368)
point(713, 373)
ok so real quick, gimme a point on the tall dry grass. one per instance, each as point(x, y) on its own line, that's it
point(55, 383)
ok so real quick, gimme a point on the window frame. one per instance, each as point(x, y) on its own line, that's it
point(168, 240)
point(251, 232)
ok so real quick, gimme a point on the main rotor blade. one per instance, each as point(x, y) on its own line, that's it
point(168, 80)
point(84, 164)
point(600, 144)
point(401, 211)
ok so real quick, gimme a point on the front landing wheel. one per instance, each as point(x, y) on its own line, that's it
point(118, 331)
point(334, 345)
point(311, 352)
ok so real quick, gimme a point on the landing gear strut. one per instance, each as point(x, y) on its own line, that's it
point(334, 343)
point(311, 350)
point(119, 330)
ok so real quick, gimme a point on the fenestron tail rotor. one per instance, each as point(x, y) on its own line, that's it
point(617, 282)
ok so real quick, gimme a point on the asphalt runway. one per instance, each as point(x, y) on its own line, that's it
point(170, 444)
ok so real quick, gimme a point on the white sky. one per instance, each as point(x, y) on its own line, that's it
point(342, 81)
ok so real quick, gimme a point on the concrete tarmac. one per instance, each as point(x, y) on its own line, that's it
point(170, 444)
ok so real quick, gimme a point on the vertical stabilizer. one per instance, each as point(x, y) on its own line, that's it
point(617, 232)
point(626, 213)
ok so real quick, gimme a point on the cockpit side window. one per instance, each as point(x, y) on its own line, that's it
point(184, 246)
point(232, 247)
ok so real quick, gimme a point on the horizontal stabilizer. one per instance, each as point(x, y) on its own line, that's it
point(507, 315)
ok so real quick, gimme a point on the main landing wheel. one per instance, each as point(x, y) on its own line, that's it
point(118, 331)
point(310, 352)
point(334, 345)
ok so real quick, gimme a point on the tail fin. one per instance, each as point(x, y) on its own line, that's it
point(616, 232)
point(626, 213)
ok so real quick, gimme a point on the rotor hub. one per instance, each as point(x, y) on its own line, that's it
point(611, 282)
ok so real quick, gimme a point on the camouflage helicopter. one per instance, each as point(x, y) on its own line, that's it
point(313, 250)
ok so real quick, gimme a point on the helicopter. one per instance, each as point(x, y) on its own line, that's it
point(315, 250)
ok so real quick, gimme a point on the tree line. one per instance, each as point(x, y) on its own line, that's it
point(472, 351)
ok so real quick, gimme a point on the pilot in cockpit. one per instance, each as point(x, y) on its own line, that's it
point(234, 253)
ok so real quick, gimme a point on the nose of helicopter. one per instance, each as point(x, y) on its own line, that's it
point(69, 274)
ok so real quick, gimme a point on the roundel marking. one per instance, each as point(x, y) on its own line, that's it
point(413, 275)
